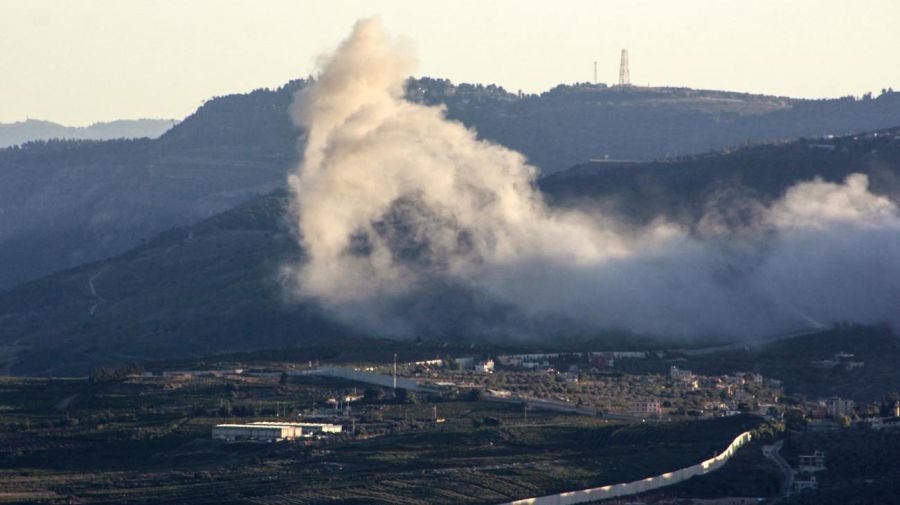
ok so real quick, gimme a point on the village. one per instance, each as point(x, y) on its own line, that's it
point(612, 384)
point(329, 415)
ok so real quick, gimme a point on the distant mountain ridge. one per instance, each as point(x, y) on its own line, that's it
point(571, 124)
point(20, 132)
point(64, 203)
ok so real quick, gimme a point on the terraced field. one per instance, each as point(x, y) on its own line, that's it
point(143, 441)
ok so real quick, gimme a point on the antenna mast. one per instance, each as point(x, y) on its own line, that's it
point(624, 77)
point(595, 71)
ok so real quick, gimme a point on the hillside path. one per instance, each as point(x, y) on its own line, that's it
point(93, 289)
point(773, 453)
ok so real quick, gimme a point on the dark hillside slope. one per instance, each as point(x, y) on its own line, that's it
point(213, 287)
point(208, 288)
point(64, 203)
point(686, 189)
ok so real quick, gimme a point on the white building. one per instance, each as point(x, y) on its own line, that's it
point(485, 366)
point(838, 407)
point(812, 463)
point(645, 408)
point(808, 483)
point(510, 360)
point(681, 375)
point(430, 362)
point(271, 431)
point(256, 432)
point(310, 429)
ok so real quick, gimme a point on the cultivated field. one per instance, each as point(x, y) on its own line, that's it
point(147, 440)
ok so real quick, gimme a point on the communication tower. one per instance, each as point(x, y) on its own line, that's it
point(624, 77)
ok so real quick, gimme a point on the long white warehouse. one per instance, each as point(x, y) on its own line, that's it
point(308, 428)
point(271, 431)
point(256, 432)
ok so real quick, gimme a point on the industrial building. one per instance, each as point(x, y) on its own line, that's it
point(310, 429)
point(269, 431)
point(256, 432)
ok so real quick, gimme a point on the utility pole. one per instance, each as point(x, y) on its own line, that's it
point(434, 412)
point(595, 71)
point(395, 374)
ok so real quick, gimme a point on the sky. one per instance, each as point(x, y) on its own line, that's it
point(82, 61)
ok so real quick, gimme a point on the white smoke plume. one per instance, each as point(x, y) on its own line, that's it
point(410, 223)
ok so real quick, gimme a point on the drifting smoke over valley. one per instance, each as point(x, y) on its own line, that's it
point(411, 224)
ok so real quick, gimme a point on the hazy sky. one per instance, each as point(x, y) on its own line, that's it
point(77, 62)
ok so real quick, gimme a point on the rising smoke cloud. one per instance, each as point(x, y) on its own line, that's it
point(412, 224)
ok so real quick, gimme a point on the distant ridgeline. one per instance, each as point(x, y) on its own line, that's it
point(21, 132)
point(64, 203)
point(570, 124)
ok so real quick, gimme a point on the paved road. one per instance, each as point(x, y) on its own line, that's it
point(773, 453)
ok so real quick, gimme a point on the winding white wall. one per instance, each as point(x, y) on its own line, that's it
point(639, 486)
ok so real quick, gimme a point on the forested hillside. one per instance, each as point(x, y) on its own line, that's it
point(216, 286)
point(63, 203)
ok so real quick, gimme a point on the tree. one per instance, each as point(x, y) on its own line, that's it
point(794, 419)
point(492, 421)
point(844, 421)
point(283, 380)
point(104, 374)
point(373, 394)
point(474, 395)
point(406, 396)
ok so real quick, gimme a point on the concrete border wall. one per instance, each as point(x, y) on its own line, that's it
point(639, 486)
